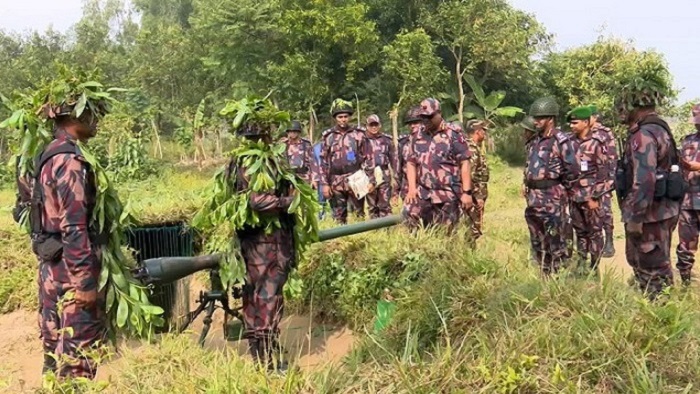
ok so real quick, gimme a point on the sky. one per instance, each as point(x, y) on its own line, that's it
point(671, 27)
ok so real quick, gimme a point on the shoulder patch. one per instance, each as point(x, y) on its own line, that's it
point(561, 136)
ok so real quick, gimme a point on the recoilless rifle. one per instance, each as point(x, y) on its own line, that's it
point(163, 270)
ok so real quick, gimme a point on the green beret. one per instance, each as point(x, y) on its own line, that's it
point(594, 109)
point(579, 113)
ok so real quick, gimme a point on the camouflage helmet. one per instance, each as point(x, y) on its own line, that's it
point(340, 106)
point(545, 106)
point(295, 126)
point(412, 115)
point(529, 124)
point(646, 94)
point(695, 113)
point(429, 107)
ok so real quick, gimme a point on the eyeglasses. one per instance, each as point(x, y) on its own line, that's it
point(374, 124)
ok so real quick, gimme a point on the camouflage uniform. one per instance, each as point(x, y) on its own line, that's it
point(269, 257)
point(551, 165)
point(438, 157)
point(68, 283)
point(480, 179)
point(404, 149)
point(300, 155)
point(568, 222)
point(689, 221)
point(588, 223)
point(343, 153)
point(384, 156)
point(648, 148)
point(605, 134)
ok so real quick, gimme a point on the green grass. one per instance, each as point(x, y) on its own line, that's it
point(466, 321)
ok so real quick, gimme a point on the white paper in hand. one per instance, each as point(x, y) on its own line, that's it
point(379, 175)
point(359, 183)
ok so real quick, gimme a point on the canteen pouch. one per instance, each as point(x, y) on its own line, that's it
point(48, 248)
point(660, 185)
point(675, 186)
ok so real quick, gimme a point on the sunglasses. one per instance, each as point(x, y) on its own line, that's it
point(374, 124)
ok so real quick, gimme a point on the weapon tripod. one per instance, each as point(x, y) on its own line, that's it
point(208, 301)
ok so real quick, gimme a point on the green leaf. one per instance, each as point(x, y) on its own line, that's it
point(122, 312)
point(80, 106)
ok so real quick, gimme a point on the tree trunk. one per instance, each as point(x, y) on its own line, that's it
point(460, 85)
point(394, 115)
point(157, 148)
point(311, 124)
point(357, 99)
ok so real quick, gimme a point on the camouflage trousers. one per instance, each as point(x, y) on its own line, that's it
point(379, 201)
point(688, 228)
point(268, 260)
point(547, 236)
point(608, 225)
point(72, 327)
point(428, 213)
point(588, 225)
point(568, 230)
point(649, 255)
point(357, 206)
point(339, 204)
point(476, 218)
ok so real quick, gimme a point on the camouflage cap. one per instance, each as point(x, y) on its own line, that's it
point(696, 113)
point(475, 124)
point(373, 119)
point(429, 107)
point(413, 115)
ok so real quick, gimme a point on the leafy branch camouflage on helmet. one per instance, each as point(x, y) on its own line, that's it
point(340, 106)
point(529, 124)
point(695, 113)
point(429, 107)
point(545, 106)
point(412, 115)
point(254, 115)
point(652, 88)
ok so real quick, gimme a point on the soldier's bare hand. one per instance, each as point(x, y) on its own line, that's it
point(523, 191)
point(480, 203)
point(635, 229)
point(467, 201)
point(411, 196)
point(395, 200)
point(371, 188)
point(593, 204)
point(326, 192)
point(314, 185)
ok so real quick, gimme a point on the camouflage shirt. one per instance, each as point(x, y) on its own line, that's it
point(690, 151)
point(606, 135)
point(438, 157)
point(480, 171)
point(300, 155)
point(550, 158)
point(343, 153)
point(647, 149)
point(592, 158)
point(384, 155)
point(68, 186)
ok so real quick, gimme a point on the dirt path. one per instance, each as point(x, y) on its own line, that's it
point(618, 263)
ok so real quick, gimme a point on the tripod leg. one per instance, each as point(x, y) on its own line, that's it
point(191, 316)
point(211, 305)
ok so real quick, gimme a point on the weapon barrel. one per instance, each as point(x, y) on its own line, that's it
point(170, 269)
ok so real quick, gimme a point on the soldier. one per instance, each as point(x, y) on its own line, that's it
point(62, 198)
point(345, 150)
point(588, 189)
point(268, 258)
point(300, 155)
point(689, 222)
point(476, 133)
point(384, 157)
point(551, 166)
point(604, 133)
point(529, 131)
point(438, 172)
point(415, 124)
point(648, 189)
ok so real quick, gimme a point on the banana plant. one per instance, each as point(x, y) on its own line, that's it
point(487, 107)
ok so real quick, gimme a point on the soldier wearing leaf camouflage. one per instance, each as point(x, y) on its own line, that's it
point(300, 155)
point(604, 133)
point(689, 222)
point(345, 150)
point(550, 168)
point(72, 317)
point(268, 257)
point(587, 191)
point(385, 158)
point(439, 173)
point(649, 189)
point(476, 133)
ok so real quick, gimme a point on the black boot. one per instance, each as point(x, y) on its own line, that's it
point(686, 278)
point(609, 247)
point(256, 351)
point(274, 358)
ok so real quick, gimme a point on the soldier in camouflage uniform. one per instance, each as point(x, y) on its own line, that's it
point(689, 222)
point(550, 168)
point(300, 154)
point(649, 211)
point(345, 150)
point(438, 172)
point(588, 189)
point(415, 123)
point(604, 133)
point(476, 133)
point(384, 157)
point(62, 194)
point(269, 257)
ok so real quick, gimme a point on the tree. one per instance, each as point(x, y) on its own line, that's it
point(486, 38)
point(488, 107)
point(594, 74)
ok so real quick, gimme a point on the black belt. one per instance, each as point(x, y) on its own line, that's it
point(301, 170)
point(345, 169)
point(542, 184)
